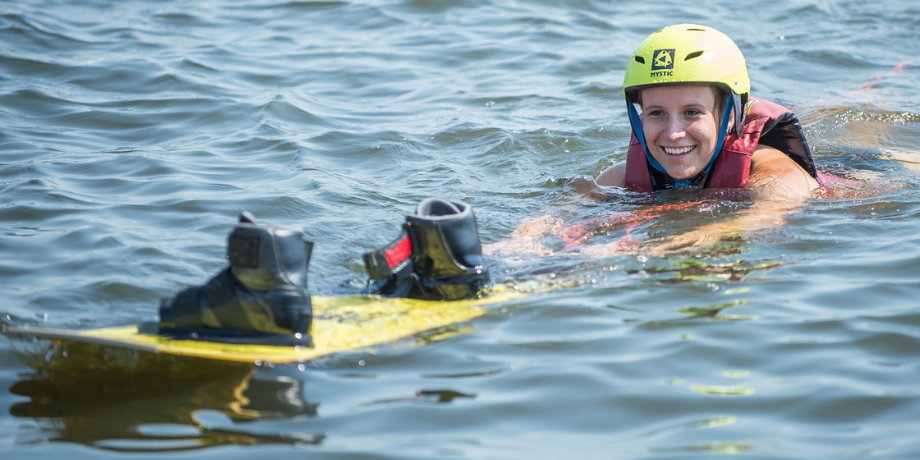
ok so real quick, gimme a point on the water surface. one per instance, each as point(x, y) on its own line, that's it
point(132, 133)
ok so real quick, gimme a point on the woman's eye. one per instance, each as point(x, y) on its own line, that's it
point(692, 112)
point(655, 113)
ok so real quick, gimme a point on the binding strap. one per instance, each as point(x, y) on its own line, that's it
point(388, 259)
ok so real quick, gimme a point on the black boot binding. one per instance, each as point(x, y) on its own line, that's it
point(438, 256)
point(261, 298)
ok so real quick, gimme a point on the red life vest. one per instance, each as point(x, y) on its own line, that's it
point(764, 123)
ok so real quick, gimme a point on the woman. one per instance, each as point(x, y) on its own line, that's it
point(698, 127)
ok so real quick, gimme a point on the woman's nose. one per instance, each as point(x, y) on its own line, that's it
point(674, 129)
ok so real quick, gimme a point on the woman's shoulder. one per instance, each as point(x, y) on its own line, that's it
point(774, 173)
point(614, 176)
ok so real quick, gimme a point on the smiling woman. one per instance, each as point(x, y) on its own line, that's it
point(680, 128)
point(698, 125)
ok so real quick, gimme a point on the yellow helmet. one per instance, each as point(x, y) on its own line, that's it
point(687, 53)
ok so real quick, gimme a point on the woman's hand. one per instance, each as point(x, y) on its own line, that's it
point(525, 239)
point(585, 185)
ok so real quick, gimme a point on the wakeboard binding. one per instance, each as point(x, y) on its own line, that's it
point(437, 256)
point(260, 298)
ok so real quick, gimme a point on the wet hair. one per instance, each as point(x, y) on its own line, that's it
point(721, 97)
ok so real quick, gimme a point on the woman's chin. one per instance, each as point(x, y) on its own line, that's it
point(682, 174)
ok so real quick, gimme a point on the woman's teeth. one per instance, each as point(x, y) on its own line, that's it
point(677, 151)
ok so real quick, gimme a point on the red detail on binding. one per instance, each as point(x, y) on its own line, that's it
point(399, 252)
point(732, 167)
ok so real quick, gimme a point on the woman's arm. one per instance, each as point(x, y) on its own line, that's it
point(776, 176)
point(777, 185)
point(527, 237)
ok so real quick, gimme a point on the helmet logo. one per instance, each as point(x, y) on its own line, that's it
point(663, 59)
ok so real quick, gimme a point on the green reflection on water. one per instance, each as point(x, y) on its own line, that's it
point(700, 270)
point(723, 390)
point(738, 374)
point(715, 447)
point(715, 311)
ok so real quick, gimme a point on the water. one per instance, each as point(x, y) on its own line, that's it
point(132, 133)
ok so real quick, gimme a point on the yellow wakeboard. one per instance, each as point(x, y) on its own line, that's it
point(340, 325)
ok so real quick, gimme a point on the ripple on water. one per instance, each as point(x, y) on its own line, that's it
point(135, 132)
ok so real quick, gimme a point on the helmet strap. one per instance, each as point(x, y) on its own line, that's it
point(636, 124)
point(740, 103)
point(723, 132)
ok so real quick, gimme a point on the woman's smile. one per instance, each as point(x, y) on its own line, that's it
point(676, 151)
point(680, 127)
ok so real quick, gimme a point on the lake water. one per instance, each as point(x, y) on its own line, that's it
point(132, 133)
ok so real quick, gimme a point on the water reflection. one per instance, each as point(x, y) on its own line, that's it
point(723, 390)
point(715, 311)
point(714, 447)
point(425, 397)
point(701, 270)
point(143, 413)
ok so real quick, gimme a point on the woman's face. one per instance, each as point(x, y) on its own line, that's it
point(680, 126)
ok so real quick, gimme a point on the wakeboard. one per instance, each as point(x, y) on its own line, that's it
point(340, 325)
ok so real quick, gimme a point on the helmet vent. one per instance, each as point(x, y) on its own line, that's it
point(692, 55)
point(639, 59)
point(696, 30)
